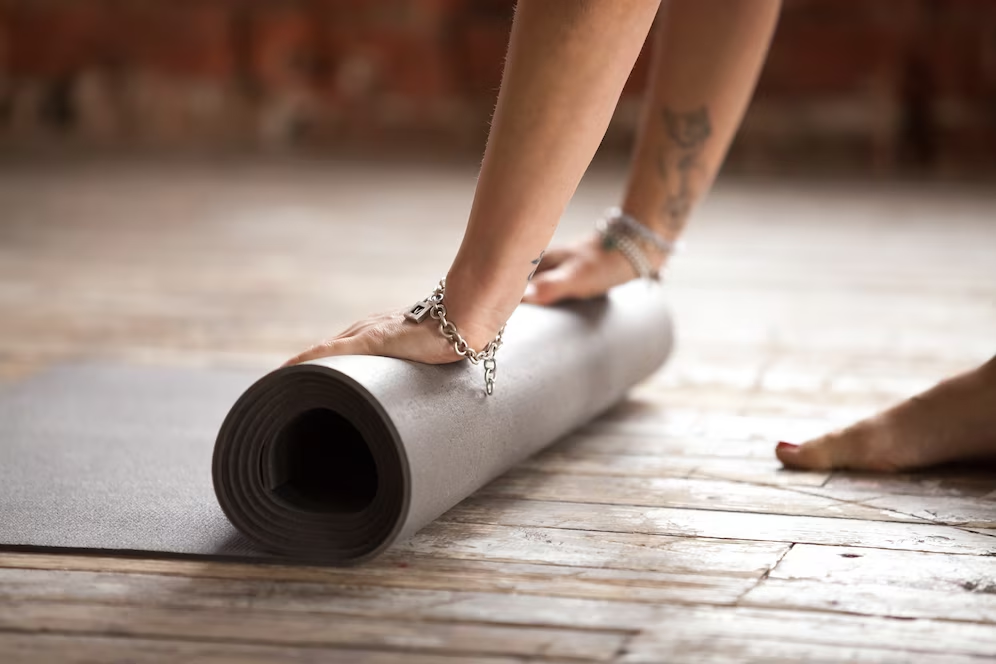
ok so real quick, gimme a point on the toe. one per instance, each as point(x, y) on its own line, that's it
point(864, 446)
point(814, 455)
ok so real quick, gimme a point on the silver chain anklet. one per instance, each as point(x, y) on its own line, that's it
point(433, 306)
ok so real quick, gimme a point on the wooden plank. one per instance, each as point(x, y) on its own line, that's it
point(725, 634)
point(658, 419)
point(448, 548)
point(255, 627)
point(878, 600)
point(680, 492)
point(321, 598)
point(751, 470)
point(721, 524)
point(35, 648)
point(647, 440)
point(906, 584)
point(963, 482)
point(555, 562)
point(972, 511)
point(233, 596)
point(703, 428)
point(733, 650)
point(604, 550)
point(479, 576)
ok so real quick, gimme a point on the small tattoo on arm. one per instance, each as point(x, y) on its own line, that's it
point(535, 263)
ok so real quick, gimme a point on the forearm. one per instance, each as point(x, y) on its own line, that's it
point(707, 58)
point(567, 63)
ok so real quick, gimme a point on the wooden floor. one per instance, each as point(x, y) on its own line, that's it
point(663, 532)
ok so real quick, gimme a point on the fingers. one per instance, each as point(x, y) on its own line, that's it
point(552, 286)
point(330, 347)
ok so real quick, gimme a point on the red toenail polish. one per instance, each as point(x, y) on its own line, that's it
point(782, 445)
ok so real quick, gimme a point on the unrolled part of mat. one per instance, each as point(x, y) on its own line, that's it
point(334, 460)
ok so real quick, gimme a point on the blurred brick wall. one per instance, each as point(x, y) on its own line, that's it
point(883, 84)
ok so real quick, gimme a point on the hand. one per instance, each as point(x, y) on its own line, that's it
point(581, 271)
point(390, 335)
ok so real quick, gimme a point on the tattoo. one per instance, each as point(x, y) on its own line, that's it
point(679, 203)
point(688, 132)
point(537, 264)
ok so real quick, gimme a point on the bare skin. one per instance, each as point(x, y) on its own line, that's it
point(566, 66)
point(567, 63)
point(953, 421)
point(696, 99)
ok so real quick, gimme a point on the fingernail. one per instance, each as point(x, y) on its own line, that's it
point(530, 291)
point(782, 445)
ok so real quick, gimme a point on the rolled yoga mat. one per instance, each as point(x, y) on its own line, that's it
point(330, 461)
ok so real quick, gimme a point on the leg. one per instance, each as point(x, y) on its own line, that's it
point(954, 420)
point(707, 58)
point(567, 63)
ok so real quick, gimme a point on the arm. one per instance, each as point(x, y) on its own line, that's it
point(567, 63)
point(707, 57)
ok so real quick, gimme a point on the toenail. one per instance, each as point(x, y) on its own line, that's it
point(782, 445)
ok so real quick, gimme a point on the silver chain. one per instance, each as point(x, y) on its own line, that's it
point(433, 306)
point(615, 216)
point(613, 239)
point(623, 232)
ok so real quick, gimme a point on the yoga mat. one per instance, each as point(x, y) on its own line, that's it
point(330, 461)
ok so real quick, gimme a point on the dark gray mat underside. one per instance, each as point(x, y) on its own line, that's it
point(116, 458)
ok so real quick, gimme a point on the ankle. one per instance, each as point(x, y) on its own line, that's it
point(478, 308)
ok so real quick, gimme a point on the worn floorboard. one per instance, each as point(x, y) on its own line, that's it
point(664, 531)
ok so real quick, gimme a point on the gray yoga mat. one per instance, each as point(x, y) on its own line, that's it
point(331, 461)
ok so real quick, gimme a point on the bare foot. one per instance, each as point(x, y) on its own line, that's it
point(954, 420)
